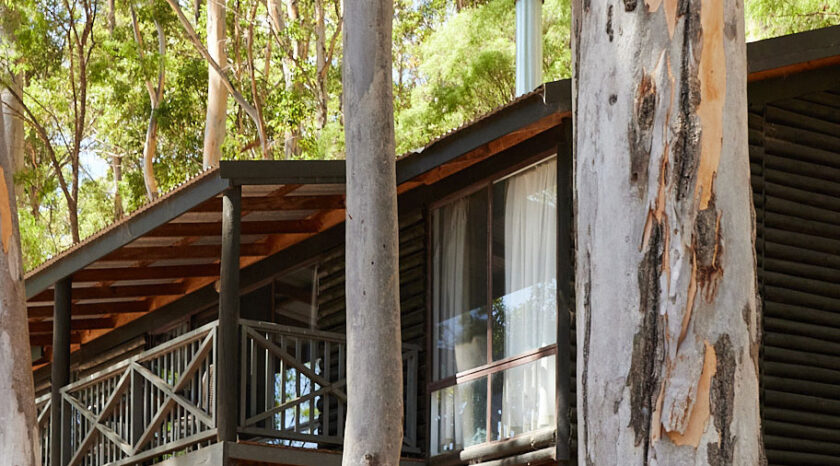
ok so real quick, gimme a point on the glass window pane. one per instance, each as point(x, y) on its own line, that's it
point(459, 416)
point(523, 398)
point(460, 285)
point(525, 261)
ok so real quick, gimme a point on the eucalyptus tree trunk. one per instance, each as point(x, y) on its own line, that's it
point(374, 429)
point(155, 91)
point(217, 93)
point(320, 65)
point(19, 432)
point(667, 311)
point(12, 112)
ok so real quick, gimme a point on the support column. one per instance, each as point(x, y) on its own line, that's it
point(227, 356)
point(565, 278)
point(60, 375)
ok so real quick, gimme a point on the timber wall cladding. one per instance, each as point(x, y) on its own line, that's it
point(795, 163)
point(331, 301)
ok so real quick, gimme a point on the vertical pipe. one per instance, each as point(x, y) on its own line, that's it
point(528, 45)
point(228, 351)
point(60, 375)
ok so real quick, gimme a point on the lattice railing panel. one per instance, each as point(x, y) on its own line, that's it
point(293, 384)
point(146, 407)
point(42, 409)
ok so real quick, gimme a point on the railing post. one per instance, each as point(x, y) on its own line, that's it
point(227, 345)
point(138, 399)
point(60, 373)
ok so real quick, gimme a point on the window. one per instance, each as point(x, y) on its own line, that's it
point(494, 310)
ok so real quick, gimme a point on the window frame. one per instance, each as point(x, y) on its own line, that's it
point(491, 367)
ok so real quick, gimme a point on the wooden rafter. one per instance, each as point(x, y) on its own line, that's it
point(180, 252)
point(328, 202)
point(79, 324)
point(144, 273)
point(248, 228)
point(121, 307)
point(106, 292)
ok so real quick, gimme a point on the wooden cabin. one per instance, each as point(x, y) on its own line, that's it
point(208, 326)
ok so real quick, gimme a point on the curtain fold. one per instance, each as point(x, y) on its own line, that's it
point(529, 302)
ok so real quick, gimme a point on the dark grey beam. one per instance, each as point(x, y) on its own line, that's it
point(60, 417)
point(227, 354)
point(268, 172)
point(127, 231)
point(793, 49)
point(565, 278)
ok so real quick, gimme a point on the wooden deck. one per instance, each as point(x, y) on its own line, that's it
point(253, 454)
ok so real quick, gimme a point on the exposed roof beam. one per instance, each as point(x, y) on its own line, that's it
point(251, 204)
point(121, 233)
point(78, 324)
point(181, 252)
point(264, 172)
point(121, 307)
point(46, 340)
point(145, 273)
point(248, 228)
point(105, 292)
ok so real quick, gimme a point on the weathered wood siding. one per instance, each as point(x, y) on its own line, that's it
point(795, 161)
point(331, 302)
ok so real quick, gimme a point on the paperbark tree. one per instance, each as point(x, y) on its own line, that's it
point(214, 129)
point(19, 432)
point(374, 429)
point(667, 309)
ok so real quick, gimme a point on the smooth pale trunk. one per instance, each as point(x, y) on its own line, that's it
point(374, 428)
point(19, 431)
point(667, 315)
point(321, 64)
point(13, 123)
point(214, 129)
point(148, 156)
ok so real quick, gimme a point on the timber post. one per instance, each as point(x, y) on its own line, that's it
point(565, 278)
point(227, 354)
point(60, 376)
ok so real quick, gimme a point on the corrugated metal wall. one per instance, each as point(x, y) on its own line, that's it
point(795, 161)
point(331, 303)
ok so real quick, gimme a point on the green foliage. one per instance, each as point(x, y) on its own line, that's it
point(453, 61)
point(771, 18)
point(468, 68)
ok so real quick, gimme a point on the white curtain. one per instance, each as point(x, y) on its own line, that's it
point(530, 303)
point(452, 407)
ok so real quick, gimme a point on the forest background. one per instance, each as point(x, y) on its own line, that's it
point(91, 77)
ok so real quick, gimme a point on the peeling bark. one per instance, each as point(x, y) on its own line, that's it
point(665, 248)
point(19, 433)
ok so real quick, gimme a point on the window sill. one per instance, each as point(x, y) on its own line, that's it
point(528, 442)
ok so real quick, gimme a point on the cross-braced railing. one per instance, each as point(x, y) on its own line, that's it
point(158, 402)
point(292, 385)
point(42, 409)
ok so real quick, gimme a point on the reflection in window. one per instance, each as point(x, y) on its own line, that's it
point(459, 416)
point(460, 284)
point(495, 251)
point(523, 398)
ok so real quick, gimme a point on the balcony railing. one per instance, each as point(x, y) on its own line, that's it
point(42, 409)
point(162, 402)
point(147, 406)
